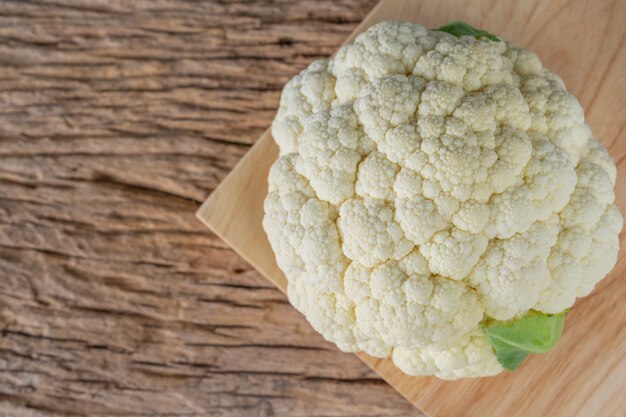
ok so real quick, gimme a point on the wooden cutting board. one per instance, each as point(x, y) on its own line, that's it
point(585, 42)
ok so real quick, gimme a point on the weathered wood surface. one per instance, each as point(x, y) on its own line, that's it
point(116, 120)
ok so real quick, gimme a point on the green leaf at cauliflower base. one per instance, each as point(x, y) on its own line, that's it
point(513, 341)
point(459, 28)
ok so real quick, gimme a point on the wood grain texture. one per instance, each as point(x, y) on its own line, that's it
point(117, 119)
point(584, 42)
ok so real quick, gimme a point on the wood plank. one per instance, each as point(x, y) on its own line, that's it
point(585, 43)
point(117, 118)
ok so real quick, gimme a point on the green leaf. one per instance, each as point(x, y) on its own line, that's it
point(513, 341)
point(459, 28)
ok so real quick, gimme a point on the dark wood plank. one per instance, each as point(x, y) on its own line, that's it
point(116, 120)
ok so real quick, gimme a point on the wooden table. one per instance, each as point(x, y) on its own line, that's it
point(116, 120)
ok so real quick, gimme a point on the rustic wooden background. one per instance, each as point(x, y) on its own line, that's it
point(117, 119)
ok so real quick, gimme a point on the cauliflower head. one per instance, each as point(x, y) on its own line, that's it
point(428, 183)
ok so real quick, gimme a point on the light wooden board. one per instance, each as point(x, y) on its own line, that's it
point(584, 42)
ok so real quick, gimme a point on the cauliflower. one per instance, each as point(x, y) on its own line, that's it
point(438, 199)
